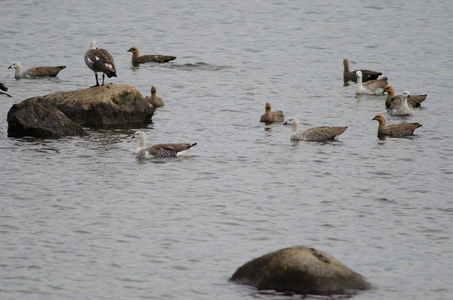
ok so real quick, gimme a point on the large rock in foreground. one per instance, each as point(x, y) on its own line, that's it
point(65, 113)
point(302, 270)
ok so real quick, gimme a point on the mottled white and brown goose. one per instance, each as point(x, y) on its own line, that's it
point(154, 100)
point(36, 72)
point(100, 61)
point(270, 116)
point(403, 109)
point(395, 130)
point(137, 59)
point(414, 100)
point(349, 75)
point(159, 150)
point(370, 87)
point(317, 134)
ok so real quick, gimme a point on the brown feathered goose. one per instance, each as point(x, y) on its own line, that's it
point(271, 116)
point(3, 90)
point(414, 100)
point(395, 130)
point(317, 134)
point(159, 150)
point(35, 72)
point(370, 87)
point(137, 59)
point(154, 100)
point(100, 61)
point(349, 75)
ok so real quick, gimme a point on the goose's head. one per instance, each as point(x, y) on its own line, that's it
point(358, 74)
point(380, 118)
point(291, 121)
point(389, 89)
point(140, 135)
point(15, 65)
point(133, 50)
point(153, 89)
point(268, 106)
point(93, 45)
point(406, 94)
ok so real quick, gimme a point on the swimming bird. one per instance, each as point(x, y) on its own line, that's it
point(371, 86)
point(137, 59)
point(318, 134)
point(159, 150)
point(395, 130)
point(35, 72)
point(154, 100)
point(3, 90)
point(351, 76)
point(271, 116)
point(99, 61)
point(414, 100)
point(403, 109)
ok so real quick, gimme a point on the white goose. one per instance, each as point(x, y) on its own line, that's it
point(159, 150)
point(370, 87)
point(403, 109)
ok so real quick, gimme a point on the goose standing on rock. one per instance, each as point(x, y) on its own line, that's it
point(271, 116)
point(351, 75)
point(414, 100)
point(370, 87)
point(403, 108)
point(316, 134)
point(3, 90)
point(159, 150)
point(154, 100)
point(100, 60)
point(35, 72)
point(395, 130)
point(137, 59)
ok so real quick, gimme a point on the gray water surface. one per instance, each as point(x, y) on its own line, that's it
point(82, 218)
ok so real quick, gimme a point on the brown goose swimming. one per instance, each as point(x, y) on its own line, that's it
point(414, 100)
point(349, 75)
point(137, 59)
point(3, 90)
point(395, 130)
point(35, 72)
point(317, 134)
point(370, 87)
point(154, 100)
point(100, 61)
point(159, 150)
point(271, 116)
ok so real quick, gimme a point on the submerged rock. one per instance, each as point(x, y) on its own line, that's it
point(302, 270)
point(65, 113)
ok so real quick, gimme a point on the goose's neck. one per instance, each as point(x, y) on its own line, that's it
point(404, 101)
point(135, 54)
point(18, 71)
point(359, 82)
point(346, 66)
point(140, 145)
point(268, 111)
point(381, 124)
point(296, 127)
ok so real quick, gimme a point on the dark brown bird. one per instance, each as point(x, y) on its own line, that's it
point(414, 100)
point(35, 72)
point(137, 59)
point(271, 116)
point(100, 61)
point(3, 90)
point(395, 130)
point(351, 76)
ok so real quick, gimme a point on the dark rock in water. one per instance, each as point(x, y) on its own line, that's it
point(65, 113)
point(302, 270)
point(34, 117)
